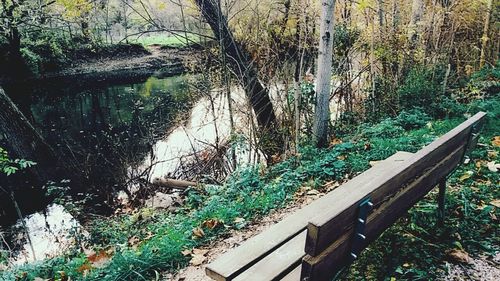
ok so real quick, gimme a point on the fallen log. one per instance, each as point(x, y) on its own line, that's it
point(173, 183)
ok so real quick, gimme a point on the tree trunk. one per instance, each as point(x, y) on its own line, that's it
point(22, 141)
point(241, 64)
point(484, 39)
point(324, 74)
point(414, 28)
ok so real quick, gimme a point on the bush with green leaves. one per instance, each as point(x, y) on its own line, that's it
point(412, 119)
point(422, 88)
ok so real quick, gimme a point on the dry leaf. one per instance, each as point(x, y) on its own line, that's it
point(200, 252)
point(100, 259)
point(492, 154)
point(373, 163)
point(341, 157)
point(313, 192)
point(496, 141)
point(198, 256)
point(492, 166)
point(39, 279)
point(134, 242)
point(197, 260)
point(186, 252)
point(458, 256)
point(335, 141)
point(212, 223)
point(495, 203)
point(466, 175)
point(198, 232)
point(239, 220)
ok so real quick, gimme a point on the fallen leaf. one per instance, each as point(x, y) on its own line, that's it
point(212, 223)
point(134, 242)
point(373, 163)
point(341, 157)
point(198, 256)
point(335, 141)
point(313, 192)
point(466, 175)
point(40, 279)
point(239, 220)
point(495, 203)
point(496, 141)
point(100, 259)
point(198, 232)
point(186, 252)
point(197, 260)
point(492, 154)
point(458, 256)
point(492, 166)
point(200, 252)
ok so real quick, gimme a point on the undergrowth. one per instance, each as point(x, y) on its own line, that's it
point(142, 245)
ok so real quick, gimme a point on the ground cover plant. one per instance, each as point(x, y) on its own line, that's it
point(141, 245)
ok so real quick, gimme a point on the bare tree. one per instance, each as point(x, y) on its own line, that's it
point(324, 73)
point(484, 39)
point(242, 65)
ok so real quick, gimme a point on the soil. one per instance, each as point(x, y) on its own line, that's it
point(124, 67)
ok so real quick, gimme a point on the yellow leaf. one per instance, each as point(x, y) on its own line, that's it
point(495, 203)
point(466, 175)
point(198, 232)
point(496, 141)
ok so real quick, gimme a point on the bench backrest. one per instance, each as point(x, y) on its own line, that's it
point(329, 240)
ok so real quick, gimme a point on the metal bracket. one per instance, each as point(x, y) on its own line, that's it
point(365, 207)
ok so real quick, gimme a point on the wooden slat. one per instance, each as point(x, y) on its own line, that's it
point(294, 275)
point(278, 263)
point(324, 266)
point(326, 227)
point(241, 258)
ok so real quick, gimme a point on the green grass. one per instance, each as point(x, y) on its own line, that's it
point(411, 249)
point(167, 40)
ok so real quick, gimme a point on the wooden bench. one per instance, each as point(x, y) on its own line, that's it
point(316, 241)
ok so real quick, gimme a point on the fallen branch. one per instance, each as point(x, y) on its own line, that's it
point(172, 183)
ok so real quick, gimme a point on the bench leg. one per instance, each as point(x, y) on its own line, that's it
point(441, 201)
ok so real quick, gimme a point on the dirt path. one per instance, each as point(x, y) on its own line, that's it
point(236, 237)
point(479, 268)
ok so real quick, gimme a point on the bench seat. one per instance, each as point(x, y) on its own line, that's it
point(283, 243)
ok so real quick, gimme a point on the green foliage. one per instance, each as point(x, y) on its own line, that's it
point(9, 167)
point(422, 88)
point(412, 119)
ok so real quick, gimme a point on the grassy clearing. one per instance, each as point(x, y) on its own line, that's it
point(167, 40)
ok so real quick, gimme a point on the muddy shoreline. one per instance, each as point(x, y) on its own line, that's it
point(159, 62)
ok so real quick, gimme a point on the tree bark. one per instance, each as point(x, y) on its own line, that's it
point(414, 28)
point(324, 74)
point(22, 141)
point(484, 39)
point(241, 64)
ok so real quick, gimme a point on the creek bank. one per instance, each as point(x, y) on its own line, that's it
point(160, 62)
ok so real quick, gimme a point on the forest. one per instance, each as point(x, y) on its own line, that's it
point(140, 139)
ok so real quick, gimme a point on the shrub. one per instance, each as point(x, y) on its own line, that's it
point(422, 88)
point(412, 118)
